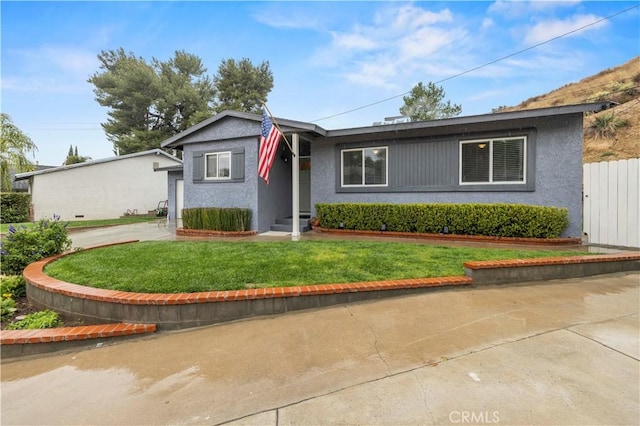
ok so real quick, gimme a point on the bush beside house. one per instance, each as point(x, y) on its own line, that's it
point(496, 220)
point(14, 207)
point(217, 219)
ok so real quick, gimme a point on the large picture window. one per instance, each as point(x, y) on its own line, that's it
point(497, 161)
point(364, 167)
point(217, 166)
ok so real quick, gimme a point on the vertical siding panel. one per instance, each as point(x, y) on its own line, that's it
point(603, 172)
point(586, 199)
point(611, 221)
point(622, 206)
point(633, 190)
point(611, 208)
point(594, 237)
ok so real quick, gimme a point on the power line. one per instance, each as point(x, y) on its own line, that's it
point(484, 65)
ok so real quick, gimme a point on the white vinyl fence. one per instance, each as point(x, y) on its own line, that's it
point(611, 202)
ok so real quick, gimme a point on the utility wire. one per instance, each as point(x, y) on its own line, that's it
point(484, 65)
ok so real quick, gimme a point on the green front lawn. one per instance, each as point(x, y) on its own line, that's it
point(190, 266)
point(4, 227)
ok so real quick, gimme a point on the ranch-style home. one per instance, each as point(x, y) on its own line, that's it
point(525, 157)
point(101, 189)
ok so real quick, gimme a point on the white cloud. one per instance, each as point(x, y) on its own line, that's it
point(374, 74)
point(57, 58)
point(411, 17)
point(546, 30)
point(397, 42)
point(487, 23)
point(43, 85)
point(54, 69)
point(289, 15)
point(353, 41)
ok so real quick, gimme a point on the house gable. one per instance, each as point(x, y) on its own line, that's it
point(224, 129)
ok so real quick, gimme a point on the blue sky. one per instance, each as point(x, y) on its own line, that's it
point(326, 57)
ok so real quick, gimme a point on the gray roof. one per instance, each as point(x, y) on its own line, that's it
point(27, 175)
point(474, 119)
point(407, 128)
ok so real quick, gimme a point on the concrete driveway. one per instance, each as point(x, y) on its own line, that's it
point(556, 352)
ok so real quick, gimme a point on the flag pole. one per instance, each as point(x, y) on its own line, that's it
point(275, 123)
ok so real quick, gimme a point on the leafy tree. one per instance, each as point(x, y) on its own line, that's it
point(73, 157)
point(15, 146)
point(242, 86)
point(427, 103)
point(150, 102)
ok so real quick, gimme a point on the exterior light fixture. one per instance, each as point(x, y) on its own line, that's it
point(383, 227)
point(445, 230)
point(341, 225)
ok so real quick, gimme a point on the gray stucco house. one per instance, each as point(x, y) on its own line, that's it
point(528, 157)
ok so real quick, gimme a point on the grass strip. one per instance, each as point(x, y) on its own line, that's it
point(4, 227)
point(191, 266)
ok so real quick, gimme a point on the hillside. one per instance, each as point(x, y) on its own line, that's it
point(608, 135)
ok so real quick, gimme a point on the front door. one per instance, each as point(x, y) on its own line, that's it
point(305, 185)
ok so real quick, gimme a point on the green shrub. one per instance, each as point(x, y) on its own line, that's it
point(7, 307)
point(37, 320)
point(498, 220)
point(14, 207)
point(13, 285)
point(23, 245)
point(217, 219)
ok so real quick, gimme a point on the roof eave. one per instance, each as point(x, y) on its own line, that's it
point(26, 175)
point(472, 119)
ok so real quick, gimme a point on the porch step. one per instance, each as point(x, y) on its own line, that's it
point(286, 225)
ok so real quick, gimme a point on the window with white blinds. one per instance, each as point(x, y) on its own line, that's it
point(493, 161)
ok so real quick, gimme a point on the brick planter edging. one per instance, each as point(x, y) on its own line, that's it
point(454, 237)
point(84, 332)
point(16, 343)
point(547, 268)
point(35, 276)
point(209, 233)
point(182, 310)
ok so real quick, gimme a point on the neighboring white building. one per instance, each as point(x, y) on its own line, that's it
point(101, 189)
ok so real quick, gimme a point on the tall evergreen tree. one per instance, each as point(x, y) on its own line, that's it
point(427, 103)
point(149, 103)
point(241, 86)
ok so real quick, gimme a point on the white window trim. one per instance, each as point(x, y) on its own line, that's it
point(490, 143)
point(363, 185)
point(206, 165)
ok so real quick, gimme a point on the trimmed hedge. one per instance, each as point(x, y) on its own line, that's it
point(216, 219)
point(14, 207)
point(496, 220)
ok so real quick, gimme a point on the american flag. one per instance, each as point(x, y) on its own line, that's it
point(268, 146)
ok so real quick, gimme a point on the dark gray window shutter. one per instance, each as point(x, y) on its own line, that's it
point(237, 163)
point(198, 166)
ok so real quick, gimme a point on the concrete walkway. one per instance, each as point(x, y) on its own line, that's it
point(557, 352)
